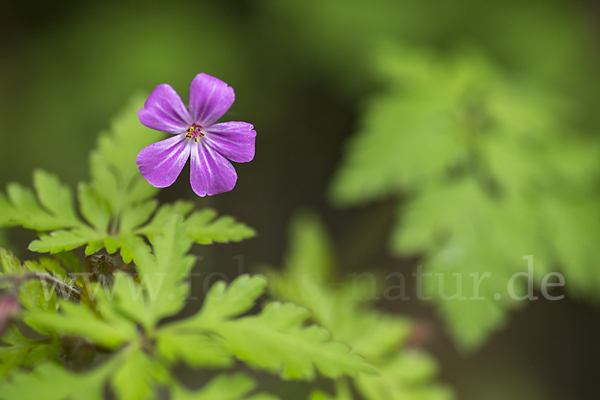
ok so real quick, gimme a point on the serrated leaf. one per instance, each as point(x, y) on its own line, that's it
point(135, 215)
point(114, 172)
point(112, 165)
point(277, 341)
point(223, 302)
point(136, 377)
point(55, 197)
point(196, 350)
point(405, 377)
point(164, 213)
point(6, 211)
point(464, 272)
point(479, 155)
point(262, 396)
point(59, 241)
point(223, 387)
point(93, 207)
point(104, 180)
point(10, 264)
point(53, 266)
point(70, 260)
point(50, 382)
point(345, 311)
point(33, 294)
point(311, 249)
point(203, 228)
point(22, 207)
point(24, 352)
point(75, 319)
point(27, 212)
point(128, 243)
point(163, 271)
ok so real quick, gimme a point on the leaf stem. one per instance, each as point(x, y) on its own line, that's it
point(18, 280)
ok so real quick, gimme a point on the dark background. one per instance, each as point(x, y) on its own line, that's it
point(301, 75)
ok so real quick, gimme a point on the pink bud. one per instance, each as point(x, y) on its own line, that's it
point(9, 308)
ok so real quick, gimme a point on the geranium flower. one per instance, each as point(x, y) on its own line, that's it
point(196, 136)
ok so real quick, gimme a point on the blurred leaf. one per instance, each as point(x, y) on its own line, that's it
point(276, 340)
point(51, 382)
point(75, 319)
point(345, 312)
point(348, 314)
point(33, 294)
point(211, 352)
point(70, 260)
point(479, 156)
point(223, 302)
point(24, 352)
point(223, 387)
point(136, 377)
point(404, 379)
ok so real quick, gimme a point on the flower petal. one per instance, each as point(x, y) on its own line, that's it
point(210, 98)
point(210, 173)
point(162, 162)
point(164, 111)
point(234, 140)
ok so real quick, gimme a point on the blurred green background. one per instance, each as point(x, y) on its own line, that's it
point(303, 74)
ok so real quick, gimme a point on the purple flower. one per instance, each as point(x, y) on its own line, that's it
point(196, 136)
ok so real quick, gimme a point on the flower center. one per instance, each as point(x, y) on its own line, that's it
point(195, 132)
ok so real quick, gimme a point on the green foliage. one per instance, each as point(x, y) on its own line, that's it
point(106, 308)
point(32, 293)
point(552, 47)
point(276, 339)
point(77, 319)
point(348, 314)
point(49, 381)
point(493, 173)
point(115, 307)
point(24, 352)
point(115, 205)
point(223, 387)
point(405, 377)
point(110, 323)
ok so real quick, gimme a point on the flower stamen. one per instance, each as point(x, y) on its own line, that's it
point(195, 132)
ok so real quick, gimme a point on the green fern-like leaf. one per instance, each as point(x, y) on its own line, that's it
point(404, 378)
point(223, 387)
point(117, 205)
point(480, 158)
point(346, 311)
point(75, 319)
point(24, 352)
point(49, 381)
point(276, 340)
point(137, 376)
point(33, 295)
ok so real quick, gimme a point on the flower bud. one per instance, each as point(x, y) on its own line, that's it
point(9, 308)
